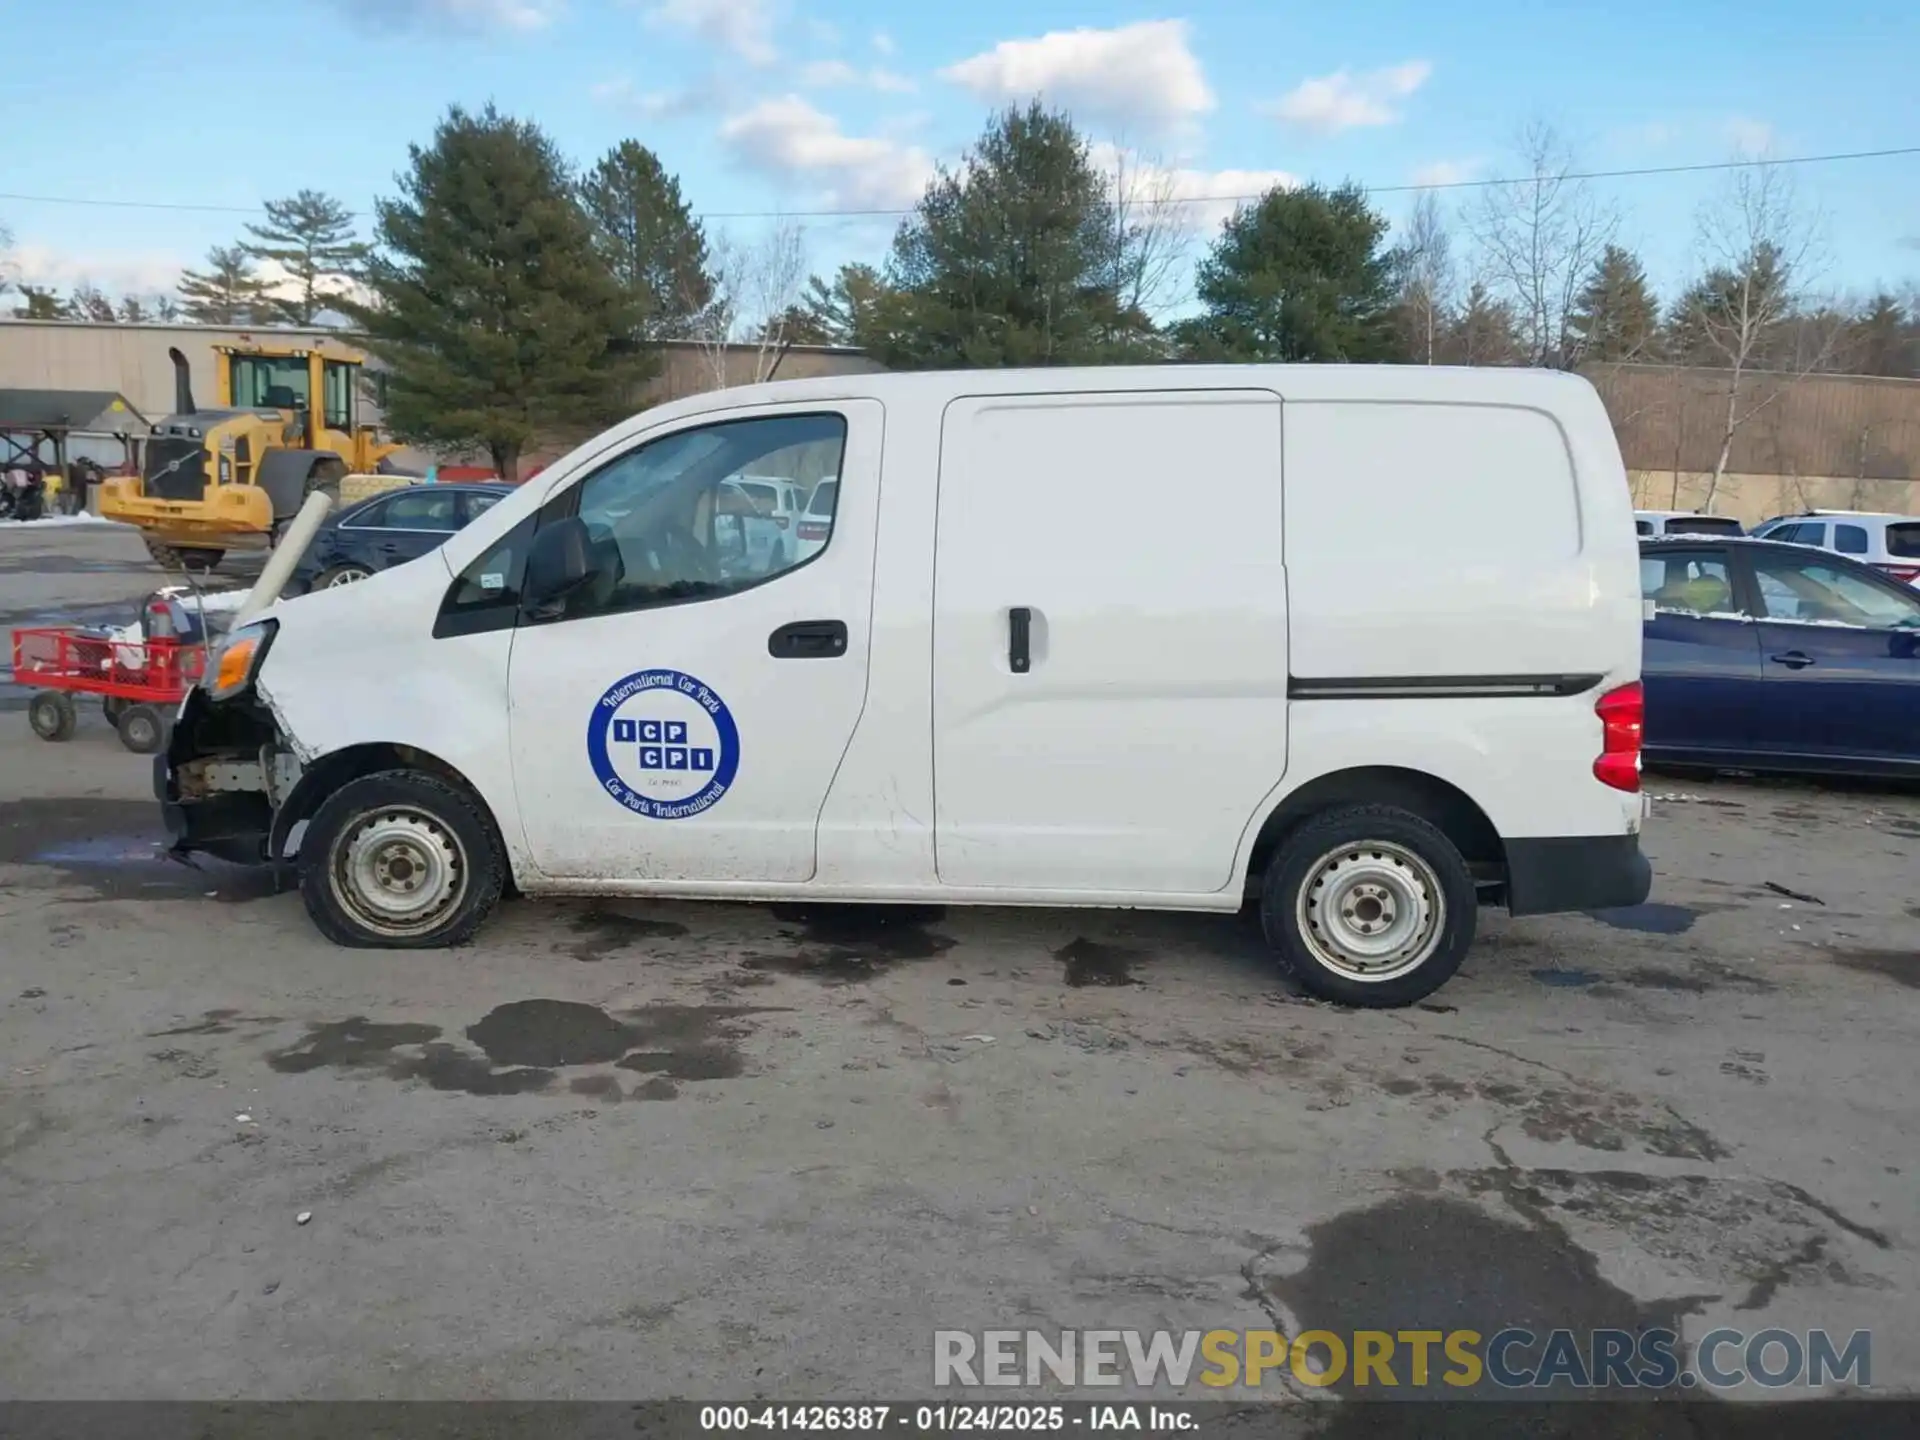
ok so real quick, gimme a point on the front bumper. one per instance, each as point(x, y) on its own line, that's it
point(1551, 875)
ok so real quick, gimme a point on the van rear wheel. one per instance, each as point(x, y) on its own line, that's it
point(1369, 905)
point(401, 860)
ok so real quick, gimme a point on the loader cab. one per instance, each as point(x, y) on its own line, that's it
point(316, 391)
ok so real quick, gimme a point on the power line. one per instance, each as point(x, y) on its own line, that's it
point(882, 214)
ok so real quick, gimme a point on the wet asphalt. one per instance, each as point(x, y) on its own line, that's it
point(620, 1150)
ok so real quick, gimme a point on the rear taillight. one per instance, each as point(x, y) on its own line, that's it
point(811, 530)
point(1905, 574)
point(1623, 725)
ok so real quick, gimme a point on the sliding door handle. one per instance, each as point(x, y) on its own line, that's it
point(1020, 639)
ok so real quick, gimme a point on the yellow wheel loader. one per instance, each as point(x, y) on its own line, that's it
point(231, 477)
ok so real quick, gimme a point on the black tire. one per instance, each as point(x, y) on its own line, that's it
point(111, 706)
point(143, 729)
point(326, 476)
point(166, 556)
point(421, 810)
point(340, 575)
point(201, 561)
point(52, 715)
point(1401, 864)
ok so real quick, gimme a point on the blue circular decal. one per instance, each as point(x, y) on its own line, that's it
point(663, 745)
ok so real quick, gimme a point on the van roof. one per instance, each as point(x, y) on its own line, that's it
point(1430, 383)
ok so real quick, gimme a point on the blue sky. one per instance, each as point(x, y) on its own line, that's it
point(796, 105)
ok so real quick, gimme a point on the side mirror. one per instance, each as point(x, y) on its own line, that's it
point(559, 562)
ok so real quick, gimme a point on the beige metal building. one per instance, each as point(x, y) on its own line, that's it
point(1840, 442)
point(132, 359)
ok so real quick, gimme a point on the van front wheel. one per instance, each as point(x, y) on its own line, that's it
point(400, 860)
point(1369, 905)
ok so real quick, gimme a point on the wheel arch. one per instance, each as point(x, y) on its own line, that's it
point(331, 771)
point(1442, 803)
point(283, 475)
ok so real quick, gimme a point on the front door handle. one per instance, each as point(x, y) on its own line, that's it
point(808, 640)
point(1793, 659)
point(1020, 639)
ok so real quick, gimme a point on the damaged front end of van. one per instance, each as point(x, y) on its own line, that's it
point(228, 770)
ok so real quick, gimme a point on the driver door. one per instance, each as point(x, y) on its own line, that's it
point(683, 718)
point(1841, 651)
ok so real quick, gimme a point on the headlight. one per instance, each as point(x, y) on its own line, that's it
point(238, 659)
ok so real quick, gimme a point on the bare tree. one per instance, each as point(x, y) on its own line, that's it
point(1151, 237)
point(1539, 235)
point(756, 290)
point(1759, 248)
point(6, 258)
point(1426, 279)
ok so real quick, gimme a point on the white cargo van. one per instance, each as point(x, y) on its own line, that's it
point(1305, 684)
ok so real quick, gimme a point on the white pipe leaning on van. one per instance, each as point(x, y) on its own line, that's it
point(286, 555)
point(1322, 697)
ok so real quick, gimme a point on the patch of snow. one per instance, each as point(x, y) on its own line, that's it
point(83, 518)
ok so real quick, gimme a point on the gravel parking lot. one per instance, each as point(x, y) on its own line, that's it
point(630, 1150)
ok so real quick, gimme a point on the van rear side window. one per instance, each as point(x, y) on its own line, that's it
point(1392, 481)
point(1904, 540)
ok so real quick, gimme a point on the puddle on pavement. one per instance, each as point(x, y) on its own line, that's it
point(854, 942)
point(1432, 1262)
point(601, 932)
point(525, 1044)
point(116, 848)
point(1088, 962)
point(1652, 918)
point(1565, 979)
point(1900, 966)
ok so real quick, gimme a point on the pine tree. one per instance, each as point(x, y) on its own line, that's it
point(497, 319)
point(1300, 274)
point(311, 237)
point(133, 310)
point(1485, 332)
point(88, 303)
point(1615, 316)
point(43, 303)
point(227, 292)
point(1010, 259)
point(843, 312)
point(648, 238)
point(1884, 339)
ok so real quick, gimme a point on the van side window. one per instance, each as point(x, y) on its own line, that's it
point(704, 513)
point(1850, 539)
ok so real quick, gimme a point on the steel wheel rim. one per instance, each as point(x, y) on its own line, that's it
point(399, 870)
point(1371, 911)
point(142, 731)
point(347, 577)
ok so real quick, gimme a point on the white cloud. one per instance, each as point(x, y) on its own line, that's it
point(838, 74)
point(1202, 198)
point(1446, 172)
point(883, 43)
point(1142, 73)
point(788, 138)
point(704, 95)
point(1648, 135)
point(1750, 138)
point(1344, 100)
point(743, 26)
point(117, 272)
point(522, 15)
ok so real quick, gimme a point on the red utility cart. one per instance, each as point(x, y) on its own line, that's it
point(140, 682)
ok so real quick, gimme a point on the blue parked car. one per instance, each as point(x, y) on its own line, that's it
point(388, 530)
point(1767, 656)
